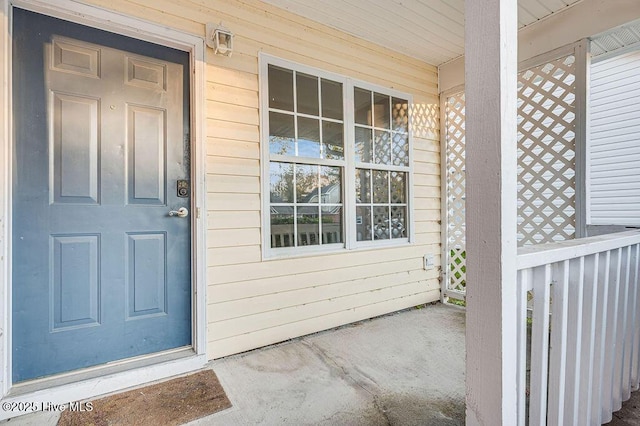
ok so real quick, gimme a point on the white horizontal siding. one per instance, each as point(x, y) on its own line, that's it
point(251, 302)
point(614, 185)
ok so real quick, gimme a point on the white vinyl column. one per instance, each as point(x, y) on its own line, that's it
point(491, 114)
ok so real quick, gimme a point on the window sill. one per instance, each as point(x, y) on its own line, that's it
point(333, 249)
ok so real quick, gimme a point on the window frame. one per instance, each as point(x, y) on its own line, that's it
point(350, 242)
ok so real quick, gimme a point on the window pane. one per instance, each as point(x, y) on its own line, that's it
point(282, 230)
point(398, 188)
point(399, 222)
point(381, 223)
point(281, 182)
point(364, 145)
point(382, 145)
point(308, 226)
point(280, 88)
point(362, 106)
point(306, 183)
point(381, 111)
point(308, 137)
point(330, 181)
point(400, 114)
point(363, 186)
point(380, 186)
point(331, 99)
point(363, 223)
point(332, 140)
point(331, 224)
point(400, 149)
point(281, 134)
point(307, 94)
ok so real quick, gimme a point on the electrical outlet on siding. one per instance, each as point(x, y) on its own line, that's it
point(428, 261)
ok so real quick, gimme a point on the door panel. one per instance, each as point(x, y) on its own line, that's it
point(75, 148)
point(146, 284)
point(74, 296)
point(101, 272)
point(146, 142)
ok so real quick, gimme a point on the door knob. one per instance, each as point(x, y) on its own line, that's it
point(181, 212)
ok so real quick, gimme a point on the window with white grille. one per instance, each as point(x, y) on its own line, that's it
point(337, 161)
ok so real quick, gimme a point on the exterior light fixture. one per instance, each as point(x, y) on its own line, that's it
point(219, 39)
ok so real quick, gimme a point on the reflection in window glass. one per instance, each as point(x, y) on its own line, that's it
point(364, 145)
point(308, 137)
point(307, 94)
point(307, 183)
point(381, 141)
point(364, 230)
point(388, 214)
point(400, 115)
point(308, 162)
point(380, 186)
point(400, 149)
point(382, 147)
point(381, 223)
point(398, 225)
point(308, 221)
point(281, 182)
point(332, 140)
point(331, 224)
point(381, 111)
point(398, 188)
point(282, 226)
point(332, 99)
point(280, 88)
point(363, 186)
point(362, 106)
point(281, 134)
point(306, 200)
point(330, 185)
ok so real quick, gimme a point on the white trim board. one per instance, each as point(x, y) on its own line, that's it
point(115, 22)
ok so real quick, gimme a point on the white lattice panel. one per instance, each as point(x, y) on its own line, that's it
point(546, 152)
point(546, 163)
point(455, 192)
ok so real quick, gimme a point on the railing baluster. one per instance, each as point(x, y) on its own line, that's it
point(585, 356)
point(635, 374)
point(558, 362)
point(587, 352)
point(623, 278)
point(629, 324)
point(524, 286)
point(601, 337)
point(540, 345)
point(611, 333)
point(574, 340)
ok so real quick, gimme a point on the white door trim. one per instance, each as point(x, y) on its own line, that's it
point(119, 23)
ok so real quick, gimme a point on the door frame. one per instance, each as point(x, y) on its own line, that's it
point(96, 17)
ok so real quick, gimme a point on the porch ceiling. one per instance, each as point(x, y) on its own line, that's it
point(430, 30)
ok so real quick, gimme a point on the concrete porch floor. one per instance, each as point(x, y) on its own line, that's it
point(405, 368)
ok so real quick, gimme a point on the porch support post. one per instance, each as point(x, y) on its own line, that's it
point(491, 117)
point(583, 65)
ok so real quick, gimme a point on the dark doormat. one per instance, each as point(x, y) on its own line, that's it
point(173, 402)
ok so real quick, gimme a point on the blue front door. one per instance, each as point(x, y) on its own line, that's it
point(100, 270)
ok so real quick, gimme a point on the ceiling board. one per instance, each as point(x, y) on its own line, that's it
point(429, 30)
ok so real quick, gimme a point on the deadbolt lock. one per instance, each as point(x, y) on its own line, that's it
point(183, 188)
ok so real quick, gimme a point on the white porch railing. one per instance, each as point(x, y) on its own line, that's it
point(584, 341)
